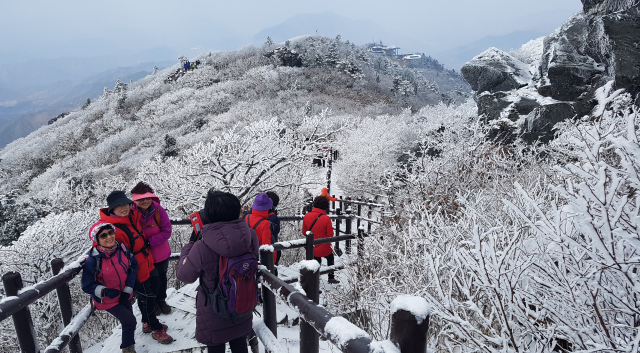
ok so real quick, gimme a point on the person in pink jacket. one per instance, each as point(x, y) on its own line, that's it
point(156, 228)
point(109, 275)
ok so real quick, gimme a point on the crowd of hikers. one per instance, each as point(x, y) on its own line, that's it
point(131, 251)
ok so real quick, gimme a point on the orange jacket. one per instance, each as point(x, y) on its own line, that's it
point(325, 193)
point(144, 257)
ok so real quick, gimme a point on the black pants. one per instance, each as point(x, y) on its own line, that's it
point(124, 314)
point(146, 292)
point(330, 262)
point(238, 345)
point(162, 268)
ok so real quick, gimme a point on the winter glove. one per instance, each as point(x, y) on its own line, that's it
point(110, 293)
point(124, 298)
point(194, 236)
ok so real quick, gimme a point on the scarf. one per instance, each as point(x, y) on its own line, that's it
point(107, 251)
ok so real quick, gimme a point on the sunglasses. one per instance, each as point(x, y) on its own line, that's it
point(145, 199)
point(105, 235)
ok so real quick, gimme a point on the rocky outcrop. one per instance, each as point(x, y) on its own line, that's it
point(496, 71)
point(555, 78)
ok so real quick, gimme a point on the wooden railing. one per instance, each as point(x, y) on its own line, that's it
point(315, 318)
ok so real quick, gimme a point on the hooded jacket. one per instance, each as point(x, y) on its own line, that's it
point(139, 248)
point(117, 271)
point(263, 230)
point(322, 229)
point(226, 239)
point(157, 234)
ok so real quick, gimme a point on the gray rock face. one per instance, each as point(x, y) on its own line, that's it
point(557, 78)
point(495, 71)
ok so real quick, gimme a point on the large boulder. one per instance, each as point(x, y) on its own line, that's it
point(555, 78)
point(495, 71)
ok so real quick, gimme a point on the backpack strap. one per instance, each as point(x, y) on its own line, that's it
point(314, 222)
point(156, 217)
point(248, 217)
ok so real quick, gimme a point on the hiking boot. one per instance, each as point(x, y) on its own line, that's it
point(147, 329)
point(158, 310)
point(130, 349)
point(164, 308)
point(162, 336)
point(333, 281)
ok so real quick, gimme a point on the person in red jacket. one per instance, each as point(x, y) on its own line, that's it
point(319, 223)
point(258, 219)
point(129, 232)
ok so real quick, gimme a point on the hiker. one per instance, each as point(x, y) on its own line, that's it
point(129, 232)
point(258, 219)
point(224, 234)
point(274, 221)
point(319, 223)
point(325, 193)
point(156, 227)
point(109, 275)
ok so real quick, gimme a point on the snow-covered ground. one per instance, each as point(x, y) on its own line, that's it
point(182, 320)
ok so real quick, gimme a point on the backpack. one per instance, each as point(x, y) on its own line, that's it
point(236, 295)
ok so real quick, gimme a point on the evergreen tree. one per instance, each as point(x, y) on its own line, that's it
point(333, 54)
point(86, 104)
point(155, 70)
point(268, 43)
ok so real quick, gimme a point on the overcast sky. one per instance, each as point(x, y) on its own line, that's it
point(32, 28)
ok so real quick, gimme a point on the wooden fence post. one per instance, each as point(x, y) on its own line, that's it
point(358, 220)
point(66, 308)
point(410, 323)
point(268, 298)
point(338, 224)
point(333, 204)
point(360, 248)
point(22, 321)
point(309, 245)
point(310, 282)
point(348, 223)
point(369, 216)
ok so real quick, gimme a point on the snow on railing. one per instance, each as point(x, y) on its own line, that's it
point(70, 330)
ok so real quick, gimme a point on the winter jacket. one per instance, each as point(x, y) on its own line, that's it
point(140, 247)
point(226, 239)
point(322, 229)
point(157, 234)
point(117, 271)
point(263, 230)
point(275, 224)
point(325, 193)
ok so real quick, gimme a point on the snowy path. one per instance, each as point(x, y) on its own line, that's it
point(181, 324)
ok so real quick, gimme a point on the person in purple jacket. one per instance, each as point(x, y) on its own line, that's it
point(223, 234)
point(156, 228)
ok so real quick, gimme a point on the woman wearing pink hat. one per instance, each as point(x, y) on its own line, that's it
point(156, 228)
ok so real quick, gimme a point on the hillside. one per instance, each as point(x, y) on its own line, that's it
point(166, 114)
point(516, 245)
